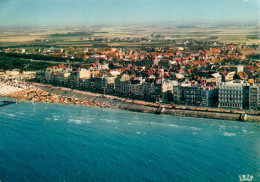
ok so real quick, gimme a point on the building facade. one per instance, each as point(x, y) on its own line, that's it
point(232, 94)
point(254, 97)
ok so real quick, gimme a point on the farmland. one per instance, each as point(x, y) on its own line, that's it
point(129, 35)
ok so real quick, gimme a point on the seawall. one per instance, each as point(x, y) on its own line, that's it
point(120, 104)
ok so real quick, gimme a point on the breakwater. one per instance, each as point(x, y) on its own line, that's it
point(122, 104)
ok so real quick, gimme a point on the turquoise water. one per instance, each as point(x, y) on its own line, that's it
point(51, 142)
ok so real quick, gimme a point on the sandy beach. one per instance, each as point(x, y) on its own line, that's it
point(25, 91)
point(5, 90)
point(10, 86)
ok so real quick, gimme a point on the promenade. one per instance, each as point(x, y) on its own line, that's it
point(148, 107)
point(45, 93)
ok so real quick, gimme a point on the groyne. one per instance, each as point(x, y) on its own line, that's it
point(117, 103)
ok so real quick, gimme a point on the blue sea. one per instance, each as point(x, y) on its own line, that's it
point(53, 142)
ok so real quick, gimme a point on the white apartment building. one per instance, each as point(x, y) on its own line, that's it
point(231, 94)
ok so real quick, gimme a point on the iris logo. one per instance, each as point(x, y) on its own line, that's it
point(246, 177)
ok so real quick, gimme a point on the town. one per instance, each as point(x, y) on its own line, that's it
point(191, 73)
point(130, 90)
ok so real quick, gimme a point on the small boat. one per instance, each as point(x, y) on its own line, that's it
point(6, 102)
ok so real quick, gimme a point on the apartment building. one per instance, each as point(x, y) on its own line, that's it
point(233, 94)
point(254, 97)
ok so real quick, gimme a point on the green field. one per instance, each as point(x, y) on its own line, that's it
point(65, 37)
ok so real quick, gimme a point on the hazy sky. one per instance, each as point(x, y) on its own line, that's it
point(83, 12)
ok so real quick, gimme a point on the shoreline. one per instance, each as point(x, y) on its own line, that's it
point(142, 106)
point(35, 94)
point(47, 93)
